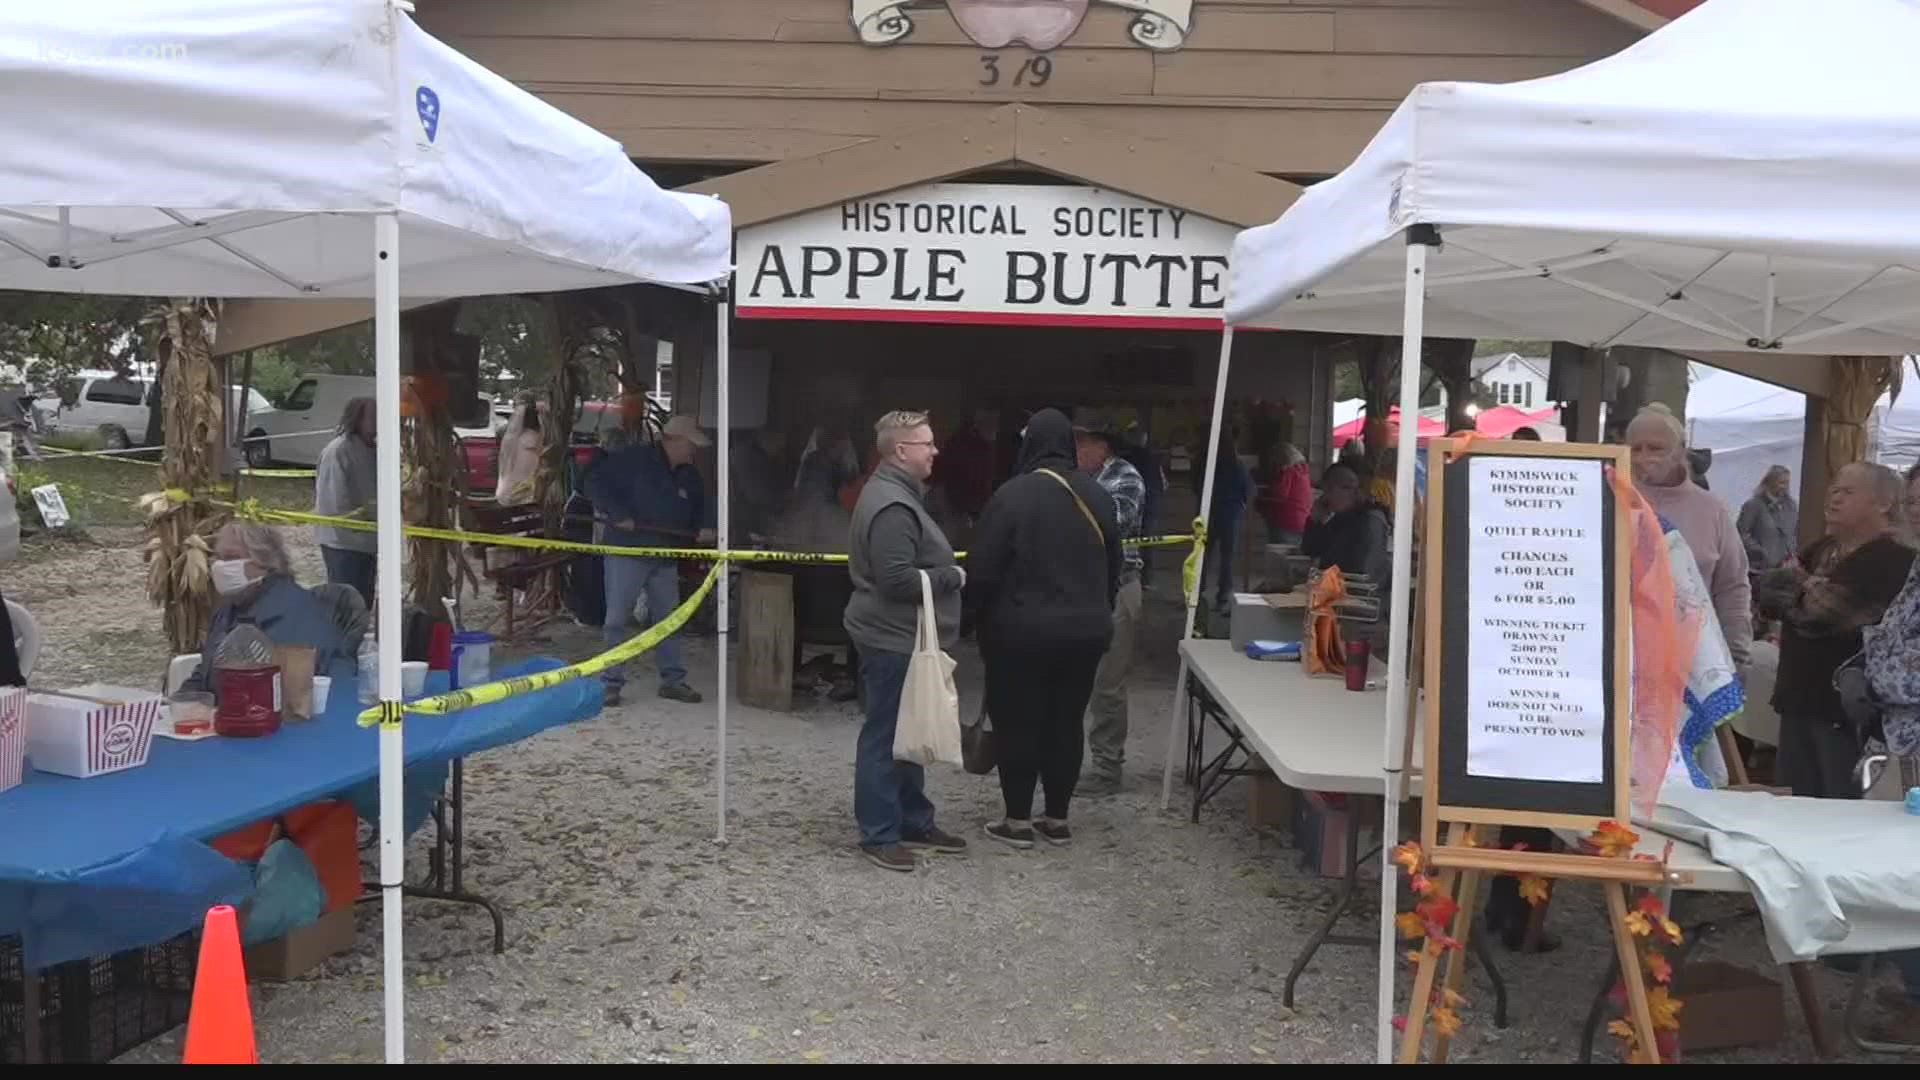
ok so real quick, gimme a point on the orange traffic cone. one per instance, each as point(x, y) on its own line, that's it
point(220, 1022)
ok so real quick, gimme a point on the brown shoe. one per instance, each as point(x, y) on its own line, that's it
point(1053, 832)
point(890, 857)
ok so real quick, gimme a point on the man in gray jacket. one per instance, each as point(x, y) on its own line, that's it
point(344, 485)
point(893, 539)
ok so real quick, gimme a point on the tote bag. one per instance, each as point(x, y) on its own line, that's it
point(928, 727)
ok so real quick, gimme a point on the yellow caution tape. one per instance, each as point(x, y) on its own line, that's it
point(1190, 570)
point(124, 457)
point(252, 510)
point(488, 693)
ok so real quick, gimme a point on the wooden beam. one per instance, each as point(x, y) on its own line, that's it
point(1629, 12)
point(1811, 375)
point(1150, 169)
point(869, 167)
point(250, 324)
point(1153, 169)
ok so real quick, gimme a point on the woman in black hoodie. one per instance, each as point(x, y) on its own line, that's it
point(1041, 580)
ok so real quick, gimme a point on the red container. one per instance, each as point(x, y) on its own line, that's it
point(249, 701)
point(440, 647)
point(1358, 653)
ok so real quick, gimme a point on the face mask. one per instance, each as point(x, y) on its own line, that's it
point(230, 576)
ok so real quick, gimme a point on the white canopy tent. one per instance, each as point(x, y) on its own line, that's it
point(318, 149)
point(1750, 426)
point(1741, 179)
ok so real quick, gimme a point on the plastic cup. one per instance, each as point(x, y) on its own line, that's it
point(322, 684)
point(413, 678)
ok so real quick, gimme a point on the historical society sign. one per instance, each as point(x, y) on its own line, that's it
point(989, 253)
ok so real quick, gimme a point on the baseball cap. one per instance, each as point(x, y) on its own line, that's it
point(1095, 422)
point(686, 428)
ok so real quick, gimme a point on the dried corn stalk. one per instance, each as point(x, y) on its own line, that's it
point(430, 489)
point(179, 534)
point(574, 328)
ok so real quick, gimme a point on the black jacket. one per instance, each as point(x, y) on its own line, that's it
point(1358, 541)
point(1038, 576)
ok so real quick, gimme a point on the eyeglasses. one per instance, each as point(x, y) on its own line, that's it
point(918, 442)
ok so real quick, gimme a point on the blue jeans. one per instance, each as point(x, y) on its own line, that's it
point(627, 579)
point(1907, 963)
point(356, 568)
point(889, 797)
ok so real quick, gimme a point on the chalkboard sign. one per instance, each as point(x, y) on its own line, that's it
point(1528, 665)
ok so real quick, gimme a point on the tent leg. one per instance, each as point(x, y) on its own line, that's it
point(1193, 598)
point(1413, 331)
point(386, 338)
point(722, 349)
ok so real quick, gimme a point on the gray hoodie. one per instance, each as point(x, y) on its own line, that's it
point(892, 539)
point(344, 485)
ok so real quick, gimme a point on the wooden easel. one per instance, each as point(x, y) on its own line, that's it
point(1462, 863)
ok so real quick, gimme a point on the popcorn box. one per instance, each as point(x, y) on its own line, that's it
point(92, 730)
point(13, 736)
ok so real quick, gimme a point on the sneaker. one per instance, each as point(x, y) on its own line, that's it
point(935, 840)
point(890, 857)
point(1098, 787)
point(682, 692)
point(1054, 832)
point(1010, 836)
point(612, 696)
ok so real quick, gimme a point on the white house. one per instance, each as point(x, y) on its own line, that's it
point(1512, 379)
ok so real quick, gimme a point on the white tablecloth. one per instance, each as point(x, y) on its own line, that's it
point(1831, 876)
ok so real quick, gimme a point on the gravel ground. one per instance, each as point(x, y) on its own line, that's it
point(633, 936)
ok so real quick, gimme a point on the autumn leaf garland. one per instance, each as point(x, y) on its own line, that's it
point(1647, 921)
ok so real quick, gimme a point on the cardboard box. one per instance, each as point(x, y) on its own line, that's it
point(1725, 1006)
point(296, 953)
point(1269, 802)
point(1257, 617)
point(1320, 824)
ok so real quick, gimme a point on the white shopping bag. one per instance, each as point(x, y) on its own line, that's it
point(928, 727)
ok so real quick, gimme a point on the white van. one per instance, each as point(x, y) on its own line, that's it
point(304, 423)
point(114, 410)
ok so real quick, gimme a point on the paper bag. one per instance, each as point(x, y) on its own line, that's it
point(1326, 654)
point(928, 726)
point(296, 680)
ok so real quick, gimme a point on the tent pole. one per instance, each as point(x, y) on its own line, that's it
point(1419, 239)
point(721, 351)
point(386, 340)
point(1192, 599)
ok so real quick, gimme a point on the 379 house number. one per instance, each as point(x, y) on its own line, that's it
point(1035, 70)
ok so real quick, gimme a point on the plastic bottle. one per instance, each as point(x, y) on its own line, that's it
point(369, 669)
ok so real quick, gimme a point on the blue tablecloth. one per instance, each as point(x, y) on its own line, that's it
point(90, 867)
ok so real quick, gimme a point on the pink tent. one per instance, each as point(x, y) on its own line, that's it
point(1352, 429)
point(1503, 420)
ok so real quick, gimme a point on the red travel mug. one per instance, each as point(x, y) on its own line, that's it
point(1357, 655)
point(440, 647)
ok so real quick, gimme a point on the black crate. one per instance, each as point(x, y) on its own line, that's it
point(94, 1010)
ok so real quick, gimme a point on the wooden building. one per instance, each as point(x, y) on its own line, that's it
point(998, 204)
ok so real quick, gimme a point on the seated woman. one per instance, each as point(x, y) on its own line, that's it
point(254, 579)
point(1348, 529)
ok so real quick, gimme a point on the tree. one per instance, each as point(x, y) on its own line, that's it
point(52, 336)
